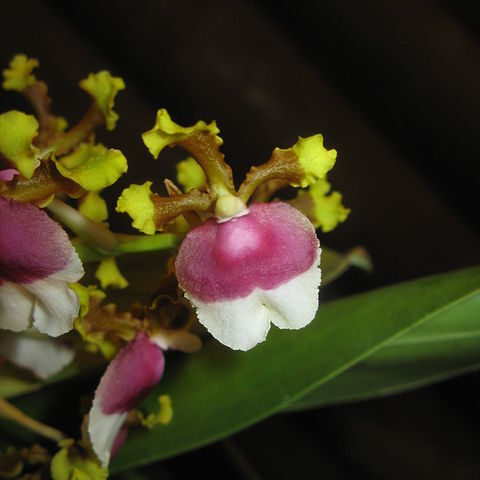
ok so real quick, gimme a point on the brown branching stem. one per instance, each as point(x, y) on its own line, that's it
point(204, 146)
point(81, 131)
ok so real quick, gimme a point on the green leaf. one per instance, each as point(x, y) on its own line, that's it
point(219, 391)
point(334, 264)
point(445, 346)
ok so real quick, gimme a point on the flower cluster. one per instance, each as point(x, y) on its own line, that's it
point(241, 260)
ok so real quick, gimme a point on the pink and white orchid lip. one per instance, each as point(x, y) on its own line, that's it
point(251, 271)
point(37, 261)
point(131, 375)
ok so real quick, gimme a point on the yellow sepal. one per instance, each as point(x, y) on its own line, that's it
point(163, 416)
point(71, 463)
point(314, 159)
point(190, 175)
point(19, 75)
point(328, 210)
point(94, 207)
point(93, 167)
point(17, 131)
point(103, 88)
point(135, 200)
point(168, 133)
point(109, 275)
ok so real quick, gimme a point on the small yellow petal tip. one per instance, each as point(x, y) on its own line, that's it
point(190, 175)
point(135, 200)
point(168, 133)
point(17, 131)
point(93, 167)
point(94, 207)
point(109, 275)
point(19, 74)
point(314, 158)
point(103, 88)
point(163, 416)
point(328, 210)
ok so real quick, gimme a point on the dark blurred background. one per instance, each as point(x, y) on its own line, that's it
point(392, 84)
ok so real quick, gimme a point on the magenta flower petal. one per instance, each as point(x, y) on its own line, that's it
point(264, 249)
point(250, 271)
point(8, 174)
point(37, 257)
point(128, 379)
point(120, 439)
point(32, 245)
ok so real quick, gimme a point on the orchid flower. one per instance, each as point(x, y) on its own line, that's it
point(128, 379)
point(37, 261)
point(246, 266)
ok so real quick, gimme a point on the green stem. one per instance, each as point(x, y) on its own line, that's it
point(7, 410)
point(130, 244)
point(94, 234)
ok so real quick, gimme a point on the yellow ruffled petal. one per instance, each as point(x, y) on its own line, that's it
point(328, 210)
point(163, 416)
point(190, 175)
point(19, 75)
point(93, 167)
point(314, 159)
point(167, 133)
point(301, 165)
point(135, 200)
point(103, 88)
point(109, 275)
point(94, 207)
point(76, 463)
point(17, 131)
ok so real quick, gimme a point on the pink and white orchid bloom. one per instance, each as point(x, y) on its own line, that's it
point(131, 375)
point(247, 266)
point(129, 378)
point(36, 262)
point(252, 270)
